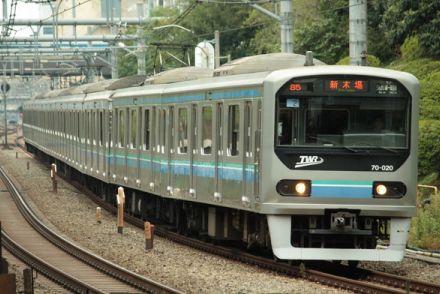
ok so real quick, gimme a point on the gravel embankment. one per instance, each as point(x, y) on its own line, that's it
point(178, 266)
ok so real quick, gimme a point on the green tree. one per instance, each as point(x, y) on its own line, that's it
point(377, 43)
point(326, 34)
point(267, 36)
point(405, 18)
point(228, 19)
point(429, 149)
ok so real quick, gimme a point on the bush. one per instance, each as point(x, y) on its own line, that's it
point(430, 102)
point(425, 228)
point(429, 149)
point(410, 50)
point(371, 61)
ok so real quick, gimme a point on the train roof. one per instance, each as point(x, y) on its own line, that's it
point(252, 70)
point(181, 74)
point(263, 63)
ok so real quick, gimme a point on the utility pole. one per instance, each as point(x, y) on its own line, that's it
point(140, 53)
point(4, 87)
point(217, 49)
point(286, 22)
point(286, 26)
point(358, 31)
point(5, 15)
point(114, 56)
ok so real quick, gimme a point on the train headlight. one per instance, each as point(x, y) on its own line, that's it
point(300, 188)
point(294, 188)
point(381, 190)
point(389, 189)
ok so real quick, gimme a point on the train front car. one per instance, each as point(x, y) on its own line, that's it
point(340, 171)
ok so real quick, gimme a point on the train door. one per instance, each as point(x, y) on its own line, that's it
point(133, 149)
point(160, 153)
point(121, 146)
point(193, 149)
point(94, 143)
point(113, 131)
point(146, 153)
point(203, 156)
point(86, 140)
point(256, 148)
point(218, 149)
point(78, 137)
point(100, 168)
point(233, 169)
point(248, 162)
point(170, 141)
point(68, 135)
point(180, 156)
point(75, 136)
point(65, 134)
point(107, 141)
point(89, 141)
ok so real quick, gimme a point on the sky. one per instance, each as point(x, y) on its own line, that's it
point(26, 11)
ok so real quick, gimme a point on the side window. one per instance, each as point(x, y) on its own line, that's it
point(162, 128)
point(78, 126)
point(121, 130)
point(147, 129)
point(248, 127)
point(233, 130)
point(134, 127)
point(86, 135)
point(170, 128)
point(93, 127)
point(100, 126)
point(182, 145)
point(206, 130)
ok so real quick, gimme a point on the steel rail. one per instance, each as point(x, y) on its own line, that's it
point(46, 269)
point(91, 259)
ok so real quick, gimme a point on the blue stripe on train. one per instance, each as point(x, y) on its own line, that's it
point(346, 189)
point(208, 170)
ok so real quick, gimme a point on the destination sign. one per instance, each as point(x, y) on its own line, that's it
point(350, 86)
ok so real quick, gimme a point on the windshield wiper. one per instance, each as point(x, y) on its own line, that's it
point(377, 147)
point(334, 144)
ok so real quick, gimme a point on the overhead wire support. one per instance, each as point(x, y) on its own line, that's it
point(7, 28)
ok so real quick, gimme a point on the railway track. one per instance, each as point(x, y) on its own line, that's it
point(343, 277)
point(25, 236)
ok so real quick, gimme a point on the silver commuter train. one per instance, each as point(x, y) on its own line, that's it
point(314, 162)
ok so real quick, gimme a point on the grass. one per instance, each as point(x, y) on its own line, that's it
point(425, 227)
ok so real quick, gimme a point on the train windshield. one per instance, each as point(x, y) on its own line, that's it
point(342, 121)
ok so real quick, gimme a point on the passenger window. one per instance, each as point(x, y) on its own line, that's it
point(86, 136)
point(248, 124)
point(170, 129)
point(93, 127)
point(147, 129)
point(134, 127)
point(101, 125)
point(163, 127)
point(121, 129)
point(182, 146)
point(233, 130)
point(206, 130)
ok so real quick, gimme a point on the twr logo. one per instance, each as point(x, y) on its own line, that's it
point(307, 160)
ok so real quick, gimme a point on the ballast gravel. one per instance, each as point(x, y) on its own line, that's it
point(175, 265)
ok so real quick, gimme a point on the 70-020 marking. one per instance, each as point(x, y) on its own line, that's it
point(384, 167)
